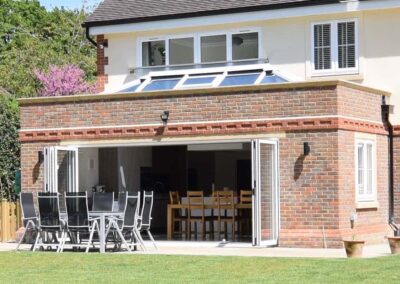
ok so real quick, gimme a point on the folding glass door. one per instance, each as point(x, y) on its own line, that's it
point(60, 169)
point(265, 183)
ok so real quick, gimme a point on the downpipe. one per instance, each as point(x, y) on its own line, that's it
point(386, 111)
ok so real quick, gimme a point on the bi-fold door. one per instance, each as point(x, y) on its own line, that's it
point(265, 183)
point(60, 169)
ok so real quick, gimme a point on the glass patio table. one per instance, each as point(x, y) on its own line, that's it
point(102, 216)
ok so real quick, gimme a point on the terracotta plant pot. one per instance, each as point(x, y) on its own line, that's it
point(394, 243)
point(354, 249)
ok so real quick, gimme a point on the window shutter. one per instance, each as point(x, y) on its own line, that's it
point(346, 45)
point(322, 47)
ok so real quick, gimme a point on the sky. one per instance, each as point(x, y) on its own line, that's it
point(69, 4)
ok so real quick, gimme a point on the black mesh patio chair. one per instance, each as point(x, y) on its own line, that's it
point(145, 216)
point(103, 201)
point(78, 220)
point(121, 201)
point(128, 224)
point(29, 216)
point(50, 223)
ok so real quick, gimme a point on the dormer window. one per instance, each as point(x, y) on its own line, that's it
point(200, 48)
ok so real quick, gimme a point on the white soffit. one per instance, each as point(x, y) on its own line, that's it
point(343, 7)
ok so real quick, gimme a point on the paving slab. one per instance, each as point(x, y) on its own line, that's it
point(238, 249)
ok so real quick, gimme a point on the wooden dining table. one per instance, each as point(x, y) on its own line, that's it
point(172, 207)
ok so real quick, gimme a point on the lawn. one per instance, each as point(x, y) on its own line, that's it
point(78, 267)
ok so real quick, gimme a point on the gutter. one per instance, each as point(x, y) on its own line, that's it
point(386, 111)
point(88, 36)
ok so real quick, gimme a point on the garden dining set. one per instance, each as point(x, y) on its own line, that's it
point(66, 221)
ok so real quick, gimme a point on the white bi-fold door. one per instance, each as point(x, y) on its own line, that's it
point(265, 183)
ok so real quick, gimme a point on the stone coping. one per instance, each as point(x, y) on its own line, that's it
point(290, 86)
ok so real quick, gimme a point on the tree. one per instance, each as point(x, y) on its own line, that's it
point(9, 146)
point(33, 38)
point(63, 81)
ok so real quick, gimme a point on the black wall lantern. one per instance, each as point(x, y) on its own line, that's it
point(164, 117)
point(307, 148)
point(40, 157)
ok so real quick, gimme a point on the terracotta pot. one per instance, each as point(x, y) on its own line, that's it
point(394, 243)
point(354, 249)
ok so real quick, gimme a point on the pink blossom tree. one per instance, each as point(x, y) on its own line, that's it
point(63, 81)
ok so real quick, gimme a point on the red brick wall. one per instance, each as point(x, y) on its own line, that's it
point(317, 191)
point(147, 110)
point(102, 61)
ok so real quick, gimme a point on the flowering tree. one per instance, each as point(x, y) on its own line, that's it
point(63, 81)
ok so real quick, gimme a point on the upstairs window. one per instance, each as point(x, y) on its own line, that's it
point(213, 48)
point(153, 53)
point(200, 48)
point(334, 47)
point(365, 170)
point(181, 51)
point(244, 46)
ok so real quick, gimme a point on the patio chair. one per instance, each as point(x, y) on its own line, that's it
point(78, 220)
point(121, 201)
point(29, 216)
point(128, 224)
point(103, 201)
point(50, 222)
point(145, 216)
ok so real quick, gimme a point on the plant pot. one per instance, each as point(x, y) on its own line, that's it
point(394, 243)
point(354, 249)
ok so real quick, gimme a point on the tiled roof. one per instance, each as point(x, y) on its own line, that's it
point(130, 11)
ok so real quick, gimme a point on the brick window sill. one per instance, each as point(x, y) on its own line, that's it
point(367, 205)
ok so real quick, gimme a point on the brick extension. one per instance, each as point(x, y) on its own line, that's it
point(317, 191)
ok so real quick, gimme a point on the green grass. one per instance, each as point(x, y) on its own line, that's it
point(95, 268)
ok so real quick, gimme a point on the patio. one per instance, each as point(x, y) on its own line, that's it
point(238, 249)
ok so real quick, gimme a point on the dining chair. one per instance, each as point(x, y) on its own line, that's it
point(29, 216)
point(226, 212)
point(103, 201)
point(177, 216)
point(244, 215)
point(196, 205)
point(50, 222)
point(78, 220)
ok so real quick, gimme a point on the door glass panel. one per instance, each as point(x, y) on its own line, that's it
point(66, 174)
point(267, 189)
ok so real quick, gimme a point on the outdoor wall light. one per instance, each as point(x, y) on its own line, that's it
point(165, 116)
point(40, 157)
point(307, 148)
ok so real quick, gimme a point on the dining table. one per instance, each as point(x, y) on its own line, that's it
point(102, 216)
point(210, 206)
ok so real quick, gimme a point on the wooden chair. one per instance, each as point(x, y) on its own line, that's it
point(196, 203)
point(244, 216)
point(177, 217)
point(226, 203)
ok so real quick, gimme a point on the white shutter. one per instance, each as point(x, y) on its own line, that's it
point(322, 47)
point(346, 45)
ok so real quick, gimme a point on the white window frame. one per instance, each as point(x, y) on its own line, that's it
point(366, 197)
point(197, 44)
point(335, 70)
